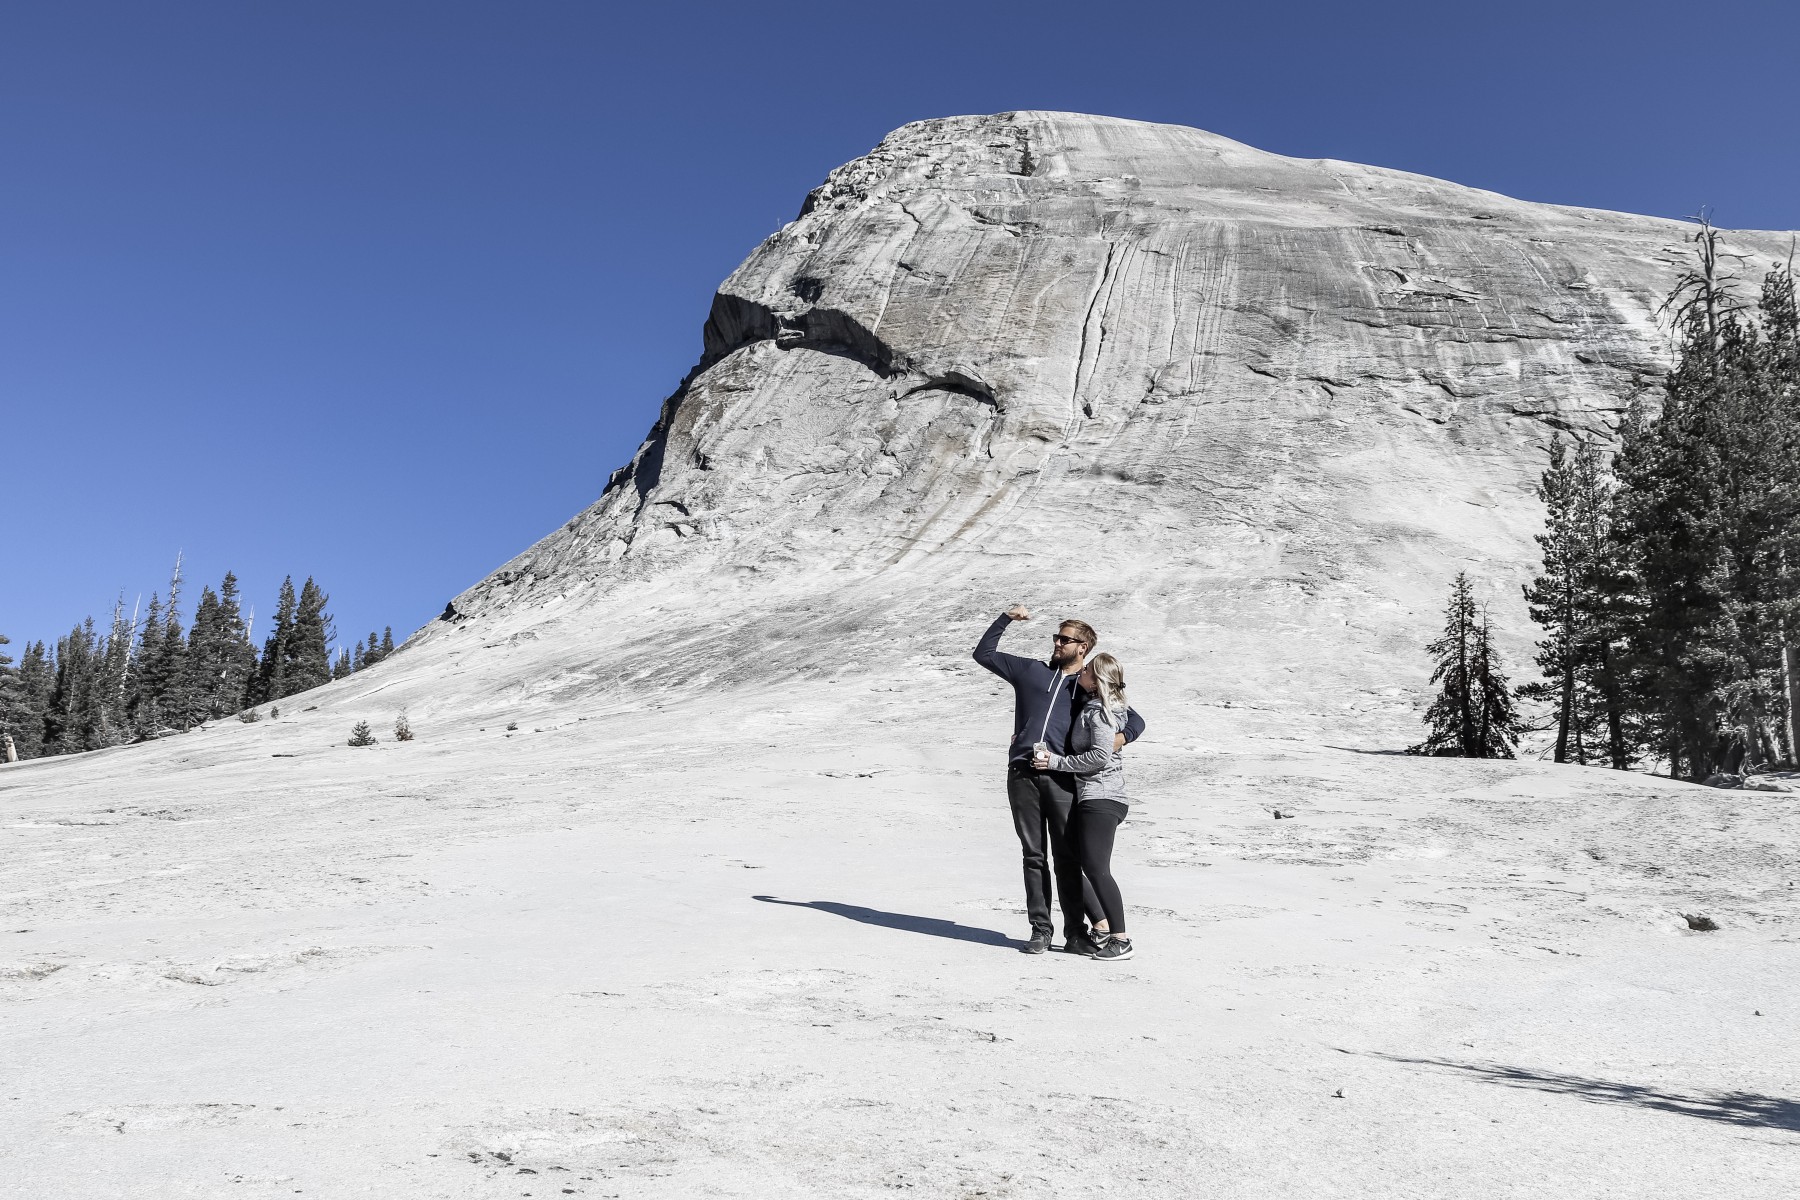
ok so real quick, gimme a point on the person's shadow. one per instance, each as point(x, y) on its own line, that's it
point(931, 926)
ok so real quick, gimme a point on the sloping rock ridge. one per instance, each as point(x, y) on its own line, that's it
point(1134, 357)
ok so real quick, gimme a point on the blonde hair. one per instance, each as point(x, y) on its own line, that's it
point(1111, 678)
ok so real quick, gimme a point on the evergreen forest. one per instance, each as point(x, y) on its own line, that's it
point(143, 675)
point(1669, 594)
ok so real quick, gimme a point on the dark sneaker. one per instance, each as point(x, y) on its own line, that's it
point(1039, 943)
point(1080, 942)
point(1114, 948)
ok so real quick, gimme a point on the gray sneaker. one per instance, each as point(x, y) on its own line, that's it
point(1040, 942)
point(1114, 948)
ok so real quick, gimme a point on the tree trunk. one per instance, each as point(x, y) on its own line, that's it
point(1791, 661)
point(1728, 752)
point(1615, 724)
point(1467, 722)
point(1565, 711)
point(1565, 714)
point(1751, 735)
point(1479, 691)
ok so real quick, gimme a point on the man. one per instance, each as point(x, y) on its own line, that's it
point(1046, 698)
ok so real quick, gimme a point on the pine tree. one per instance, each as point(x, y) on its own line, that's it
point(37, 675)
point(1571, 599)
point(1555, 601)
point(109, 693)
point(1497, 724)
point(271, 678)
point(70, 721)
point(237, 655)
point(149, 672)
point(375, 650)
point(309, 651)
point(343, 668)
point(1707, 520)
point(1473, 715)
point(180, 700)
point(205, 657)
point(1452, 719)
point(1781, 370)
point(1672, 518)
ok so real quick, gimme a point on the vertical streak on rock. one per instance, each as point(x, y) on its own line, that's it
point(1213, 289)
point(1176, 276)
point(1090, 337)
point(893, 276)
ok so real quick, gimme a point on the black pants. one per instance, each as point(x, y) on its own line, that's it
point(1041, 803)
point(1095, 822)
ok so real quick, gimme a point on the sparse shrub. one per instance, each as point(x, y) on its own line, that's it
point(274, 711)
point(249, 716)
point(511, 725)
point(402, 730)
point(362, 735)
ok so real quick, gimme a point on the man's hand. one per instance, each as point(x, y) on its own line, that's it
point(1019, 612)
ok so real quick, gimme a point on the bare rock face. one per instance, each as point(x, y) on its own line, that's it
point(1233, 404)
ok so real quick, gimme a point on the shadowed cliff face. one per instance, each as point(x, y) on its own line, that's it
point(1140, 368)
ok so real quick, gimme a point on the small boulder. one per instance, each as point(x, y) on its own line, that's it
point(1766, 783)
point(1700, 922)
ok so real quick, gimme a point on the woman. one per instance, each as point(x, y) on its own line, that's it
point(1099, 793)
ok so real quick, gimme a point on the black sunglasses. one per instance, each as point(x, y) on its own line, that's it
point(1060, 640)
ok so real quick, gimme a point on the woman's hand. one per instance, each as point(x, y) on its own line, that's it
point(1041, 760)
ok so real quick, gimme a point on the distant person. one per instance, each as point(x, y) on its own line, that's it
point(1046, 697)
point(1100, 804)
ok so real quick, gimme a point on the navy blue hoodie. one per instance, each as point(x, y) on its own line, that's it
point(1045, 700)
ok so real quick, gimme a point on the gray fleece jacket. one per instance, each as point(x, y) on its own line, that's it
point(1099, 775)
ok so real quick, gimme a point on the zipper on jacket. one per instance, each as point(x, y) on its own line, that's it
point(1056, 678)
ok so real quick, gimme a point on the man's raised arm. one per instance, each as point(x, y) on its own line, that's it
point(987, 650)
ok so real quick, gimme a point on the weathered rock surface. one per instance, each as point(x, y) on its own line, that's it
point(1223, 401)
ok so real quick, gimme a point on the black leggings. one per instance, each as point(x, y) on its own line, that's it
point(1095, 822)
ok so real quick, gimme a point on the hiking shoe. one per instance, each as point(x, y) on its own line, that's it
point(1114, 948)
point(1039, 943)
point(1082, 942)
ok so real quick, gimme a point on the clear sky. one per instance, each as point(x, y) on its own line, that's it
point(381, 291)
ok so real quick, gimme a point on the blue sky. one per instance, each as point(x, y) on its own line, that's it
point(380, 292)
